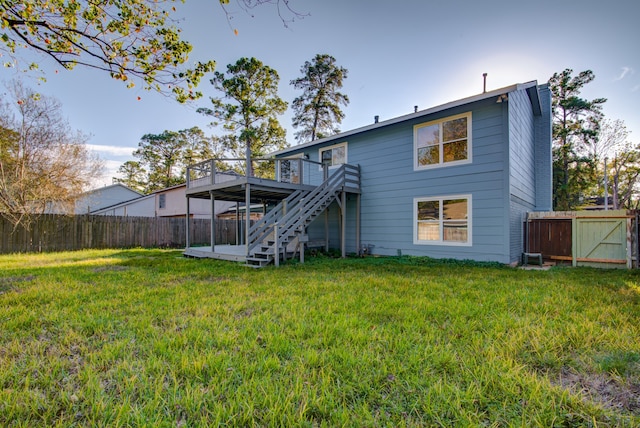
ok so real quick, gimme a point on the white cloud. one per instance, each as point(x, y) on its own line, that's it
point(625, 72)
point(112, 150)
point(635, 88)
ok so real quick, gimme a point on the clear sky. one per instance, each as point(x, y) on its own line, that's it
point(398, 54)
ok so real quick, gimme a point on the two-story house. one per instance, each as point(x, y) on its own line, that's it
point(451, 181)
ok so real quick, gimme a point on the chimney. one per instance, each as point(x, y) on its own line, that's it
point(376, 118)
point(484, 84)
point(415, 109)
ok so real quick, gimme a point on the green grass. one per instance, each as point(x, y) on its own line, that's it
point(149, 338)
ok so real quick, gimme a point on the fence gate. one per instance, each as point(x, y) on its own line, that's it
point(584, 238)
point(601, 240)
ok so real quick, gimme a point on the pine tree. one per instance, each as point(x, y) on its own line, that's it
point(250, 112)
point(575, 124)
point(317, 110)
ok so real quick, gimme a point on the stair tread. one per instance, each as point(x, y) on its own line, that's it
point(302, 211)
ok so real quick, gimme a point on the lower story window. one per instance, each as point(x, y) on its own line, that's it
point(444, 220)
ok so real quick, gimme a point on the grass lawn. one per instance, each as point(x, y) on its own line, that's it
point(149, 338)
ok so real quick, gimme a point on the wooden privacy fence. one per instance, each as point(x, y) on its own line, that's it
point(585, 238)
point(54, 232)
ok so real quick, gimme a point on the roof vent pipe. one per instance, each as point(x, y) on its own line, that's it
point(376, 118)
point(484, 84)
point(415, 109)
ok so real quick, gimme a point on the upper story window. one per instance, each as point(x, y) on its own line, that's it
point(335, 155)
point(162, 201)
point(442, 142)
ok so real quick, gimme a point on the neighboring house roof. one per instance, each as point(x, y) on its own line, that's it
point(101, 197)
point(109, 187)
point(173, 199)
point(136, 200)
point(531, 88)
point(122, 204)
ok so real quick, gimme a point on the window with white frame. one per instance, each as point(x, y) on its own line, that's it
point(442, 142)
point(442, 220)
point(333, 155)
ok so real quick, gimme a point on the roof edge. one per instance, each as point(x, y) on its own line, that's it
point(122, 204)
point(109, 186)
point(528, 86)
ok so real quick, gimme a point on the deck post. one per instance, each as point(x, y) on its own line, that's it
point(247, 196)
point(247, 214)
point(343, 244)
point(237, 223)
point(357, 222)
point(326, 230)
point(276, 245)
point(187, 243)
point(213, 221)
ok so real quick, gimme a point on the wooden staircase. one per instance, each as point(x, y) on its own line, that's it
point(281, 229)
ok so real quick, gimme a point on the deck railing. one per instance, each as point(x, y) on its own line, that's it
point(285, 170)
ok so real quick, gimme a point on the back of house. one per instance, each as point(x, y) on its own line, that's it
point(452, 181)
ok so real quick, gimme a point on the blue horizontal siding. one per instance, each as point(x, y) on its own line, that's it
point(389, 184)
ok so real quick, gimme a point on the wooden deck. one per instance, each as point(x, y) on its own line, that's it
point(236, 253)
point(235, 190)
point(208, 180)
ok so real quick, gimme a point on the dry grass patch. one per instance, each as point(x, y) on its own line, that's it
point(614, 392)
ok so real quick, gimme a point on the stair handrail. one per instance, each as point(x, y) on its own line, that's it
point(328, 189)
point(262, 228)
point(313, 201)
point(288, 225)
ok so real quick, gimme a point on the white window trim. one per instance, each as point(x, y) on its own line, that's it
point(469, 242)
point(324, 149)
point(441, 163)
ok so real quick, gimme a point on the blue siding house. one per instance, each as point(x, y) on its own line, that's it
point(451, 181)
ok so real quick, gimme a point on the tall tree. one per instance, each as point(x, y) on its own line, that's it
point(248, 109)
point(132, 175)
point(161, 156)
point(197, 146)
point(45, 165)
point(624, 175)
point(129, 39)
point(575, 125)
point(317, 110)
point(612, 137)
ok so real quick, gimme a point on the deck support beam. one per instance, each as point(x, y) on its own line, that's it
point(276, 245)
point(247, 214)
point(213, 222)
point(326, 230)
point(238, 225)
point(343, 231)
point(187, 228)
point(357, 222)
